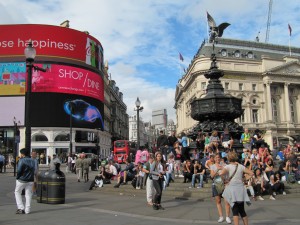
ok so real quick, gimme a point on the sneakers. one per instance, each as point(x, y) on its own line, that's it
point(199, 187)
point(221, 219)
point(274, 193)
point(260, 198)
point(284, 193)
point(272, 198)
point(20, 211)
point(155, 207)
point(228, 220)
point(160, 207)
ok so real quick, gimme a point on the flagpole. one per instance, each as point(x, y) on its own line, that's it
point(290, 46)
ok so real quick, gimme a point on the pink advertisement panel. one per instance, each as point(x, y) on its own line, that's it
point(57, 79)
point(68, 79)
point(51, 41)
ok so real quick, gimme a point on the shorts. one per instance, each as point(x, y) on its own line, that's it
point(214, 191)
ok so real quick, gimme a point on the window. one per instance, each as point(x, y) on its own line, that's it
point(242, 118)
point(293, 113)
point(203, 85)
point(255, 115)
point(250, 55)
point(237, 54)
point(254, 101)
point(224, 52)
point(226, 86)
point(241, 86)
point(253, 87)
point(274, 109)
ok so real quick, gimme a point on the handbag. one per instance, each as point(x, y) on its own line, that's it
point(219, 183)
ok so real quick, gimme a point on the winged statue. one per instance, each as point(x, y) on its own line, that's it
point(214, 30)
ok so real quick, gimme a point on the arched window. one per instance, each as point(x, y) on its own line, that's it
point(39, 138)
point(293, 111)
point(275, 112)
point(62, 137)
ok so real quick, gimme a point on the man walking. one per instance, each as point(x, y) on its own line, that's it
point(172, 140)
point(79, 167)
point(162, 144)
point(25, 179)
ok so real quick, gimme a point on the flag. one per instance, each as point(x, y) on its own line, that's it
point(180, 57)
point(290, 29)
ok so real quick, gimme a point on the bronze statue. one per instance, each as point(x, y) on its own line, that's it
point(214, 30)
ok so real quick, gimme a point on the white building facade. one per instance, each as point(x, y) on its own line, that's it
point(265, 76)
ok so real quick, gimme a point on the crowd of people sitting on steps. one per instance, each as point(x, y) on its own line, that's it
point(266, 173)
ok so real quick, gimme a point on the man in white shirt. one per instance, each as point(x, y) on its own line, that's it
point(112, 169)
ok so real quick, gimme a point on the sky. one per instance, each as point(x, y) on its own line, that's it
point(142, 39)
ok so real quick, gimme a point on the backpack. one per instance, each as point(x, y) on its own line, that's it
point(291, 178)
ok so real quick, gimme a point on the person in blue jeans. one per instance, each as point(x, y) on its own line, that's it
point(199, 172)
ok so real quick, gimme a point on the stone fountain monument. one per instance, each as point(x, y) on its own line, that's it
point(217, 111)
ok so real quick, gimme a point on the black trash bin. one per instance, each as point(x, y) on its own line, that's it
point(51, 187)
point(41, 187)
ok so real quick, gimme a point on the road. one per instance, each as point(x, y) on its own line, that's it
point(85, 207)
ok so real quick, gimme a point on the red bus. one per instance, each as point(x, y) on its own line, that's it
point(122, 149)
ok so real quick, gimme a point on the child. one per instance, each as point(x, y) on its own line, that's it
point(169, 171)
point(140, 176)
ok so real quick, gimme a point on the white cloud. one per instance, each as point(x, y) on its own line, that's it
point(141, 42)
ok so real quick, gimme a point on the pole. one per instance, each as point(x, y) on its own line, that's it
point(71, 110)
point(27, 107)
point(138, 128)
point(15, 146)
point(5, 149)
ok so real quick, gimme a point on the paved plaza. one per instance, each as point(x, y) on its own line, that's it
point(85, 207)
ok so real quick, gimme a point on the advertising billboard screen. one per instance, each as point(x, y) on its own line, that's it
point(57, 79)
point(55, 110)
point(52, 42)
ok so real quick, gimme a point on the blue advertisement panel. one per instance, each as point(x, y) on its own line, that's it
point(55, 110)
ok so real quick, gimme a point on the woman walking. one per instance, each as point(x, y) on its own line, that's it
point(157, 172)
point(235, 192)
point(214, 173)
point(148, 179)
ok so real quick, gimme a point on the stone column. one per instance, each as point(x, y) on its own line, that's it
point(269, 115)
point(287, 104)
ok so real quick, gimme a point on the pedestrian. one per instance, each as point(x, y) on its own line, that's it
point(235, 193)
point(217, 193)
point(2, 162)
point(24, 180)
point(55, 163)
point(86, 167)
point(163, 144)
point(171, 140)
point(36, 163)
point(69, 163)
point(157, 172)
point(79, 167)
point(148, 178)
point(185, 154)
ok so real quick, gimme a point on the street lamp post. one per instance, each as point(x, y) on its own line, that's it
point(16, 141)
point(138, 109)
point(30, 54)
